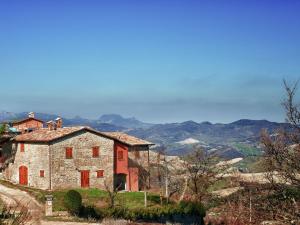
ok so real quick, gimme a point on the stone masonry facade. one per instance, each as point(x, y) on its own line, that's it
point(35, 157)
point(64, 173)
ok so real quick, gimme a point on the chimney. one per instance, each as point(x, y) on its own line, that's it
point(59, 122)
point(31, 115)
point(50, 125)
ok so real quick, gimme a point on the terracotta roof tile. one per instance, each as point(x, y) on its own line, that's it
point(127, 139)
point(46, 135)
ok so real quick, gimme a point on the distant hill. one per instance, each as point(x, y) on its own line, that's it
point(236, 139)
point(116, 119)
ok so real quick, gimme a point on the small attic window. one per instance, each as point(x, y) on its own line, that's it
point(96, 152)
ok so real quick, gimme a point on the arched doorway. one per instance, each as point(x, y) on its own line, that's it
point(23, 175)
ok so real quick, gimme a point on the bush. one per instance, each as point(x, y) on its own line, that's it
point(192, 208)
point(89, 212)
point(183, 211)
point(73, 202)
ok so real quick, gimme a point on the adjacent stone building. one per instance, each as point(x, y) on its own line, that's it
point(28, 124)
point(68, 157)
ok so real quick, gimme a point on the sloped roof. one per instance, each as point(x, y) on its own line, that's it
point(127, 139)
point(27, 119)
point(44, 135)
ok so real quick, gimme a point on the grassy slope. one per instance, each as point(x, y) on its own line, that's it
point(99, 198)
point(247, 150)
point(90, 196)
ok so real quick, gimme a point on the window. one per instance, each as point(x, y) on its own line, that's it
point(42, 173)
point(95, 151)
point(100, 173)
point(69, 153)
point(120, 155)
point(22, 147)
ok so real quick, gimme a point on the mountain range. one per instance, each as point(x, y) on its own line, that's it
point(236, 139)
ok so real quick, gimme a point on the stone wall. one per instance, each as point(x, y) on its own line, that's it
point(65, 173)
point(138, 158)
point(35, 157)
point(138, 155)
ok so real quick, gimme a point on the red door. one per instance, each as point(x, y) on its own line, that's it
point(23, 175)
point(85, 178)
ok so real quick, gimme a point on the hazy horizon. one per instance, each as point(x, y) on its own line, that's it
point(159, 61)
point(134, 117)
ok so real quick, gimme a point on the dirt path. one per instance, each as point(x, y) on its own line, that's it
point(20, 200)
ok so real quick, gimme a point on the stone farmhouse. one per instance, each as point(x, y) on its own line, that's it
point(58, 157)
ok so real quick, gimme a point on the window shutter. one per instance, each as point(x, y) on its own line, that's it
point(95, 151)
point(42, 173)
point(69, 153)
point(100, 173)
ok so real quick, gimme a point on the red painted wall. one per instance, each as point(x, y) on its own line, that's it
point(121, 165)
point(133, 179)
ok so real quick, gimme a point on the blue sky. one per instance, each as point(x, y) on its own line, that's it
point(160, 61)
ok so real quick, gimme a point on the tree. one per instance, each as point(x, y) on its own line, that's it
point(112, 192)
point(281, 160)
point(144, 176)
point(2, 128)
point(282, 151)
point(202, 171)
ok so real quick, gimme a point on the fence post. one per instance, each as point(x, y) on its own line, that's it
point(48, 205)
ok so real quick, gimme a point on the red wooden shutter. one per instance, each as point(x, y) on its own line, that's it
point(95, 151)
point(22, 147)
point(100, 173)
point(69, 153)
point(42, 173)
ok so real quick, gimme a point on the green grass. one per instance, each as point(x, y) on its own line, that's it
point(99, 198)
point(247, 150)
point(220, 184)
point(91, 196)
point(253, 164)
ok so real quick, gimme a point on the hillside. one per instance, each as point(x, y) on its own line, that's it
point(232, 140)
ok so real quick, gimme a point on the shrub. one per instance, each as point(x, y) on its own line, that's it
point(158, 214)
point(89, 212)
point(73, 202)
point(192, 208)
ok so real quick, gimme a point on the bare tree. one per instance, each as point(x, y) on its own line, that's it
point(144, 177)
point(282, 150)
point(281, 160)
point(202, 172)
point(111, 190)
